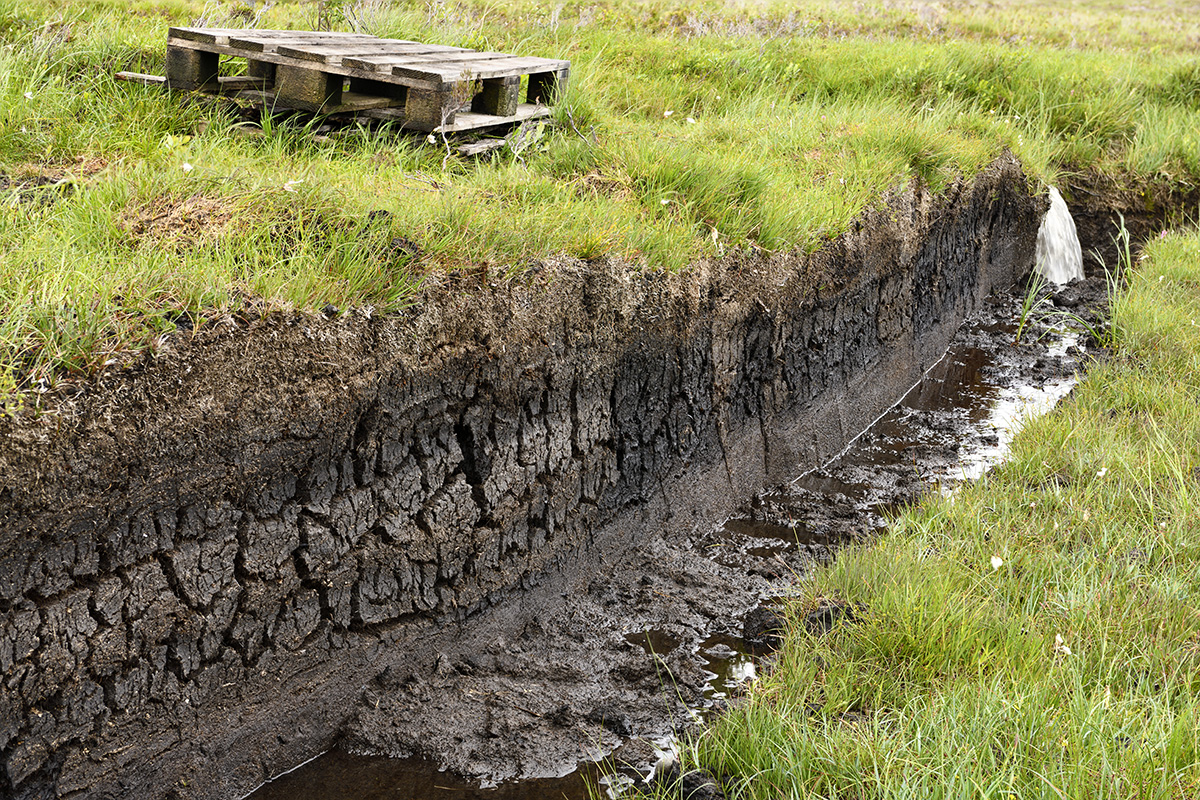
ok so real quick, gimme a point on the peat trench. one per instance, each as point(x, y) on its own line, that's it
point(665, 637)
point(456, 533)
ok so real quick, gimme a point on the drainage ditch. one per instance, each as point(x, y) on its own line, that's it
point(953, 425)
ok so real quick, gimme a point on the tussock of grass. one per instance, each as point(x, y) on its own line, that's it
point(689, 129)
point(1072, 669)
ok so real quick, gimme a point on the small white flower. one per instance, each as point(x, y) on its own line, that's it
point(668, 113)
point(718, 97)
point(1103, 471)
point(186, 168)
point(665, 201)
point(1060, 646)
point(290, 186)
point(691, 121)
point(843, 181)
point(997, 563)
point(29, 95)
point(1162, 525)
point(431, 139)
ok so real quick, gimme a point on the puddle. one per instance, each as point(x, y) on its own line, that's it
point(730, 663)
point(340, 776)
point(654, 642)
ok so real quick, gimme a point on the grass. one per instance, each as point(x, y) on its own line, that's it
point(1036, 635)
point(689, 129)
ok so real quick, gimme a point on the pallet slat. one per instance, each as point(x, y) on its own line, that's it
point(334, 55)
point(273, 45)
point(472, 69)
point(384, 63)
point(468, 120)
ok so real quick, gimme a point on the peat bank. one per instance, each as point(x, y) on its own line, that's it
point(298, 531)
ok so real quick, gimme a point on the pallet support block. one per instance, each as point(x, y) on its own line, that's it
point(192, 69)
point(309, 89)
point(262, 70)
point(499, 96)
point(426, 110)
point(547, 87)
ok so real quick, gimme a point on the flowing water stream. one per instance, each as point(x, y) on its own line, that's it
point(1059, 256)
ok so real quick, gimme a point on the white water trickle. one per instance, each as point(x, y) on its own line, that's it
point(1059, 257)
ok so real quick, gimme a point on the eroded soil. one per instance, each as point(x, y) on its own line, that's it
point(623, 660)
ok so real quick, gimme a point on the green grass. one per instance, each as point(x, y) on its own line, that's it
point(690, 129)
point(1072, 669)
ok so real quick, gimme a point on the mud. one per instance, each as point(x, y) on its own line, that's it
point(281, 533)
point(37, 191)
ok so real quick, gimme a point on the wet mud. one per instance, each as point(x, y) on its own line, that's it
point(654, 643)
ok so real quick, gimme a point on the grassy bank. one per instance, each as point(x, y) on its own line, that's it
point(1036, 635)
point(689, 129)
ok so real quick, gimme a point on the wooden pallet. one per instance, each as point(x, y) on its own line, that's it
point(427, 87)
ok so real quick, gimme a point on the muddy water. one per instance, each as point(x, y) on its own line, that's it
point(953, 425)
point(339, 776)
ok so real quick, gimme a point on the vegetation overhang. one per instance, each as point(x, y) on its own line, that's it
point(689, 130)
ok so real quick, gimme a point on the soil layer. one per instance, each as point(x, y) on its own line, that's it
point(214, 564)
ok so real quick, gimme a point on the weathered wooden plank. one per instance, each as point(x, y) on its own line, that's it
point(334, 55)
point(216, 35)
point(499, 96)
point(469, 120)
point(547, 87)
point(206, 34)
point(236, 83)
point(142, 78)
point(481, 147)
point(465, 120)
point(431, 57)
point(463, 70)
point(422, 54)
point(191, 69)
point(353, 102)
point(251, 44)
